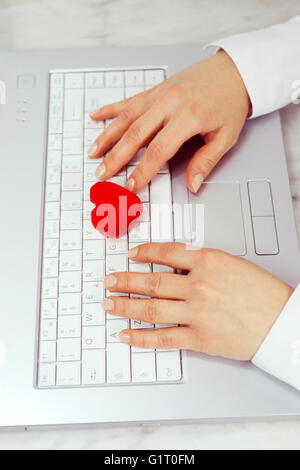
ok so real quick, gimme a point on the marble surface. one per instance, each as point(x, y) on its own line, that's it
point(36, 24)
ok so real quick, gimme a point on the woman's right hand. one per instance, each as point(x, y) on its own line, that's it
point(208, 98)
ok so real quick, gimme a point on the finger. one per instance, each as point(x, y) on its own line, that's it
point(161, 285)
point(115, 131)
point(150, 310)
point(177, 255)
point(161, 338)
point(112, 110)
point(205, 159)
point(133, 139)
point(162, 148)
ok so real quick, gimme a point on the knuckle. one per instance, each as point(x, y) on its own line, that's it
point(207, 164)
point(133, 135)
point(153, 283)
point(122, 282)
point(164, 341)
point(155, 151)
point(151, 311)
point(126, 115)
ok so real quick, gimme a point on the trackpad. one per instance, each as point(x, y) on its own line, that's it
point(223, 225)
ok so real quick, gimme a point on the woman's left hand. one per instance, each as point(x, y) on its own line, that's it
point(225, 305)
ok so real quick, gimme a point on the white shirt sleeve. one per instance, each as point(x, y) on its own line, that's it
point(269, 63)
point(279, 354)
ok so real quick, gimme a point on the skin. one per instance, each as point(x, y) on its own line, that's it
point(225, 305)
point(209, 98)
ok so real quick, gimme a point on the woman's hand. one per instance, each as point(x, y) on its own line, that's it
point(225, 304)
point(208, 98)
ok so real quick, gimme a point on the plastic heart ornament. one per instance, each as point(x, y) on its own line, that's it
point(116, 211)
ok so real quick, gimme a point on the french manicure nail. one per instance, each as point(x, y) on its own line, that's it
point(100, 171)
point(110, 281)
point(124, 338)
point(197, 181)
point(108, 305)
point(92, 150)
point(133, 252)
point(130, 184)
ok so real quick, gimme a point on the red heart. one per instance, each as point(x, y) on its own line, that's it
point(116, 209)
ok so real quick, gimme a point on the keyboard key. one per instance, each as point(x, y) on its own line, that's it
point(154, 77)
point(47, 351)
point(53, 175)
point(68, 373)
point(57, 80)
point(69, 304)
point(56, 95)
point(52, 211)
point(54, 158)
point(68, 349)
point(72, 164)
point(113, 329)
point(73, 107)
point(50, 267)
point(93, 270)
point(140, 232)
point(51, 229)
point(73, 146)
point(70, 260)
point(143, 367)
point(55, 126)
point(49, 309)
point(93, 366)
point(92, 292)
point(91, 124)
point(90, 233)
point(49, 290)
point(140, 267)
point(71, 200)
point(89, 172)
point(71, 220)
point(117, 245)
point(93, 337)
point(94, 80)
point(74, 80)
point(73, 129)
point(46, 375)
point(70, 282)
point(95, 98)
point(161, 212)
point(93, 249)
point(93, 315)
point(134, 78)
point(70, 240)
point(168, 366)
point(48, 330)
point(118, 363)
point(90, 135)
point(159, 268)
point(116, 263)
point(72, 182)
point(53, 192)
point(55, 142)
point(69, 326)
point(114, 79)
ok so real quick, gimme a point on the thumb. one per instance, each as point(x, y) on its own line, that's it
point(204, 161)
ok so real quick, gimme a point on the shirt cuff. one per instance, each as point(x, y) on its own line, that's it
point(269, 63)
point(279, 354)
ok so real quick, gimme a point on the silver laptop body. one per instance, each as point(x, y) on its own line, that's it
point(247, 211)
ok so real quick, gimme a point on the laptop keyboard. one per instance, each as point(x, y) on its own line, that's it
point(79, 342)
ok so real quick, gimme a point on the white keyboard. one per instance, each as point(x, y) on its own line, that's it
point(78, 341)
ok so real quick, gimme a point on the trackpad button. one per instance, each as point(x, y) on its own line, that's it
point(223, 225)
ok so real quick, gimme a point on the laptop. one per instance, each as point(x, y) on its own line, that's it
point(61, 362)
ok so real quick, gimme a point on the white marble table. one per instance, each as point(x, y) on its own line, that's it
point(32, 24)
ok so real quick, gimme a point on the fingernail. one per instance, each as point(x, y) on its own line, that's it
point(108, 305)
point(130, 184)
point(93, 113)
point(133, 252)
point(124, 337)
point(100, 171)
point(110, 281)
point(92, 150)
point(197, 181)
